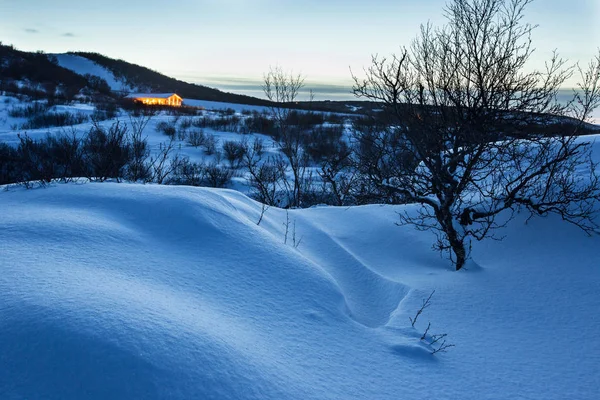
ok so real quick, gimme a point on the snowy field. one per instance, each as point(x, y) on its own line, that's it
point(10, 128)
point(126, 291)
point(129, 291)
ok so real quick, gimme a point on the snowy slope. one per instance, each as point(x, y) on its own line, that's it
point(126, 291)
point(81, 65)
point(218, 105)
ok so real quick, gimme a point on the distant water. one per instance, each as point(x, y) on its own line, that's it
point(321, 91)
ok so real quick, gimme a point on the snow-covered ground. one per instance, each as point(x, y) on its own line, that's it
point(217, 105)
point(126, 291)
point(123, 291)
point(10, 127)
point(82, 66)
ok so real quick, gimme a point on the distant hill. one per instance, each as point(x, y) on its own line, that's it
point(147, 80)
point(37, 70)
point(36, 73)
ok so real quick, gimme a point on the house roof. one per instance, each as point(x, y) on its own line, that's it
point(151, 95)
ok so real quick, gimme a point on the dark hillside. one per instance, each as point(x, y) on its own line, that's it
point(152, 81)
point(36, 68)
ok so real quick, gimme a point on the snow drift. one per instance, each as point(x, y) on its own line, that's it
point(127, 291)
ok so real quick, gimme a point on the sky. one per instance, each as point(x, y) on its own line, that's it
point(230, 44)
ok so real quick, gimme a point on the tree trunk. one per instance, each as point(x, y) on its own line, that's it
point(456, 242)
point(458, 248)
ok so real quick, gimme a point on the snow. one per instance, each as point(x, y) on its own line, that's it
point(156, 139)
point(7, 123)
point(128, 291)
point(143, 291)
point(217, 105)
point(150, 95)
point(81, 65)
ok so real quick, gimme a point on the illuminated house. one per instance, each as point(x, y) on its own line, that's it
point(157, 99)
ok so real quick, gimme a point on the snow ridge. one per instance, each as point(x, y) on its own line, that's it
point(144, 291)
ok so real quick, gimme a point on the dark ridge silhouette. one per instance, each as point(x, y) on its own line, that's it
point(36, 67)
point(151, 81)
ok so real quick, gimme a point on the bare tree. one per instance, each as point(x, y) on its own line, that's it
point(266, 176)
point(487, 132)
point(234, 152)
point(107, 151)
point(337, 175)
point(282, 88)
point(164, 163)
point(139, 169)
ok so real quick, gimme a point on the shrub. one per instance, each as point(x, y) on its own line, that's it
point(258, 123)
point(200, 174)
point(51, 119)
point(55, 157)
point(303, 119)
point(105, 110)
point(335, 119)
point(196, 138)
point(168, 128)
point(67, 153)
point(9, 164)
point(210, 144)
point(187, 173)
point(323, 142)
point(221, 123)
point(35, 161)
point(28, 111)
point(234, 152)
point(216, 176)
point(186, 123)
point(138, 168)
point(107, 151)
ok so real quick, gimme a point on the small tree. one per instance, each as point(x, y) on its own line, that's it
point(234, 152)
point(476, 119)
point(282, 88)
point(265, 175)
point(138, 168)
point(337, 175)
point(107, 151)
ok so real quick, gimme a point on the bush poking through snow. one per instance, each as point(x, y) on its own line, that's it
point(196, 138)
point(437, 342)
point(138, 168)
point(53, 118)
point(107, 151)
point(234, 152)
point(187, 173)
point(426, 304)
point(168, 128)
point(210, 144)
point(216, 176)
point(200, 174)
point(28, 111)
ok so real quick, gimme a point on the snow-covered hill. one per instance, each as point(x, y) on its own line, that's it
point(126, 291)
point(82, 66)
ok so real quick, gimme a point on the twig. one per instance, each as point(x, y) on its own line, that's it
point(426, 303)
point(263, 209)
